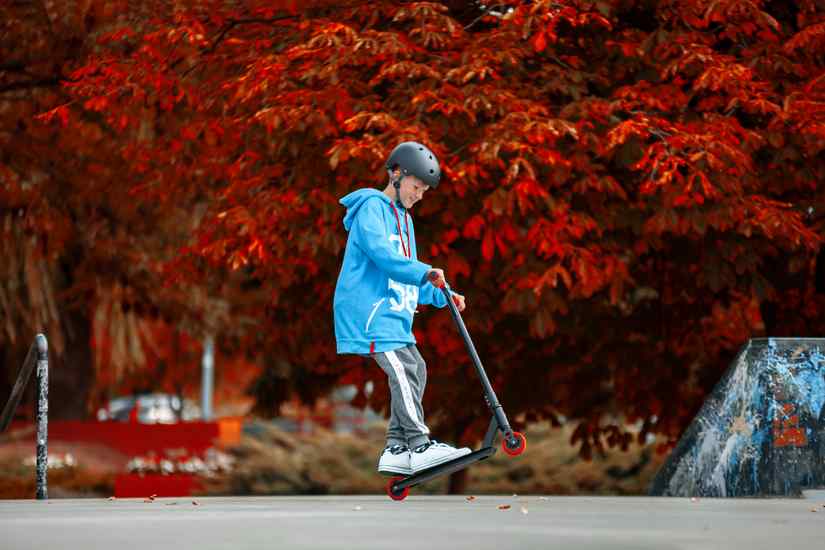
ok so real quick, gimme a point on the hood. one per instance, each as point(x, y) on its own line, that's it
point(354, 200)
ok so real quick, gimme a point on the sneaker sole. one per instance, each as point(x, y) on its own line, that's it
point(442, 460)
point(392, 470)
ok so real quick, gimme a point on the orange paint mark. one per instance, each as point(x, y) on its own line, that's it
point(786, 429)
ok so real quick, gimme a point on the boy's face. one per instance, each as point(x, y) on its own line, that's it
point(412, 190)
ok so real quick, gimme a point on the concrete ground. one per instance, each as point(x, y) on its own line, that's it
point(420, 522)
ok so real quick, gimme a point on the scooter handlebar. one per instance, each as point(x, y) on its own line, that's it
point(447, 292)
point(432, 276)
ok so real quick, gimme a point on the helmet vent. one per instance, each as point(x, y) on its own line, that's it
point(431, 170)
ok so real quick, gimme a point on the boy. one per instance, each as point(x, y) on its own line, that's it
point(380, 284)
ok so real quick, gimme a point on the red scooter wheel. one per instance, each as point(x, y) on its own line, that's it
point(519, 448)
point(397, 495)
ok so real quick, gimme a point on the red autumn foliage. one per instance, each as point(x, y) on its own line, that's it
point(630, 187)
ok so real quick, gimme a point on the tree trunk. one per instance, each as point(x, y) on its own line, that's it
point(7, 373)
point(457, 483)
point(70, 376)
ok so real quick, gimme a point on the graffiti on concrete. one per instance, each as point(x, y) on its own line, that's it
point(761, 431)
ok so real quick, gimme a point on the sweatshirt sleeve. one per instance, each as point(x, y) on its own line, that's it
point(430, 295)
point(371, 237)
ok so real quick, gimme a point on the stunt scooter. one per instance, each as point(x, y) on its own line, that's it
point(513, 443)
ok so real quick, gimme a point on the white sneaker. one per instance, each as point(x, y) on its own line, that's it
point(434, 453)
point(395, 460)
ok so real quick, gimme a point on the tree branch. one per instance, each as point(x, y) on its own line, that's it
point(232, 23)
point(483, 15)
point(41, 83)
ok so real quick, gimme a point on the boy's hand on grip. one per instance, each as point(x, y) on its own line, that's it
point(459, 302)
point(436, 277)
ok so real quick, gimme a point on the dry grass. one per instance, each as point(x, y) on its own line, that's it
point(18, 482)
point(551, 466)
point(92, 475)
point(270, 461)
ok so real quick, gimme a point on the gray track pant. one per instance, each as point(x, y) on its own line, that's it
point(407, 374)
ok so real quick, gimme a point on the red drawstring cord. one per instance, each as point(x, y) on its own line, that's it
point(406, 249)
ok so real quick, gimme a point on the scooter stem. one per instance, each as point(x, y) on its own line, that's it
point(489, 393)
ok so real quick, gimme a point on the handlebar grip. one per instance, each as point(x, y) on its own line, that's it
point(432, 277)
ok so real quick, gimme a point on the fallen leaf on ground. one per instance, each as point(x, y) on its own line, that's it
point(195, 502)
point(471, 498)
point(170, 503)
point(503, 506)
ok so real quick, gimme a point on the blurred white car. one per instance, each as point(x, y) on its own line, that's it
point(152, 408)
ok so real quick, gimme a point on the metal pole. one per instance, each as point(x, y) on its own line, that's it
point(207, 377)
point(42, 415)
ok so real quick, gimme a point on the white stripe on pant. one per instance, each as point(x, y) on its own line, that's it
point(406, 372)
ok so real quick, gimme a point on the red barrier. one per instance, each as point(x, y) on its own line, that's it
point(138, 439)
point(143, 486)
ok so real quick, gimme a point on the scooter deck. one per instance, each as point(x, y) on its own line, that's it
point(445, 468)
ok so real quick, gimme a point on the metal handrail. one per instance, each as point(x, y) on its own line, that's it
point(36, 359)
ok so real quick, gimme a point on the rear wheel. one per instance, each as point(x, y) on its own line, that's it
point(397, 495)
point(516, 446)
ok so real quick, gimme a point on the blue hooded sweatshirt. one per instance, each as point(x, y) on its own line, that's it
point(379, 287)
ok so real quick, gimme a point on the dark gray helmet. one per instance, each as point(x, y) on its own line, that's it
point(416, 160)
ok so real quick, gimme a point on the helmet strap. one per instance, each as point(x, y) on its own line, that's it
point(397, 184)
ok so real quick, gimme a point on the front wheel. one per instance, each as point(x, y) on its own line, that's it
point(516, 446)
point(397, 495)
